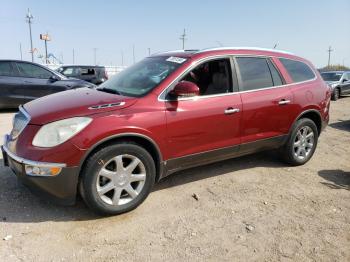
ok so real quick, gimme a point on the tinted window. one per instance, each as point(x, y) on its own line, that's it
point(6, 69)
point(213, 77)
point(255, 73)
point(29, 70)
point(276, 77)
point(69, 71)
point(298, 71)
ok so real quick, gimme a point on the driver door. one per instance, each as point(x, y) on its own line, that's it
point(35, 81)
point(207, 127)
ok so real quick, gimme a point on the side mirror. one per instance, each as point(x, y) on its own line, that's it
point(54, 78)
point(185, 89)
point(344, 80)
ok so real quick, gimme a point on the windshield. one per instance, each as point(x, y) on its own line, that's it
point(334, 76)
point(142, 77)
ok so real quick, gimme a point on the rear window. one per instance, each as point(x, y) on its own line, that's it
point(297, 70)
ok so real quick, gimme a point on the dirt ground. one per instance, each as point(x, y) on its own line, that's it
point(252, 208)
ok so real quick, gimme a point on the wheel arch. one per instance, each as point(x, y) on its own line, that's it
point(144, 141)
point(314, 115)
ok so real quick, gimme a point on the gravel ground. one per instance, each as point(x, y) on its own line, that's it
point(252, 208)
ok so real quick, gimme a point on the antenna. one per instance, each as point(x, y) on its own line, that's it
point(183, 39)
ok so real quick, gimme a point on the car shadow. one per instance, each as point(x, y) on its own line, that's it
point(263, 159)
point(343, 125)
point(19, 205)
point(338, 179)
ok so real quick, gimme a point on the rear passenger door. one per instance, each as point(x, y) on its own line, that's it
point(266, 101)
point(10, 86)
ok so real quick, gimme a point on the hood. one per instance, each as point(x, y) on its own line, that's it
point(332, 82)
point(72, 103)
point(73, 83)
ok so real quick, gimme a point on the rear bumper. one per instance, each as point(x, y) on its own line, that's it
point(61, 189)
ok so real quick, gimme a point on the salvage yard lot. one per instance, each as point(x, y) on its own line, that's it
point(249, 208)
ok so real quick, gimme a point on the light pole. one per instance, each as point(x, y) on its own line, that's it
point(95, 50)
point(29, 18)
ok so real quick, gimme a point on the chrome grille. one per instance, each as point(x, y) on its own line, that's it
point(20, 121)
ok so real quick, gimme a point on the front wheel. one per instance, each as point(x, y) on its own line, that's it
point(117, 178)
point(301, 143)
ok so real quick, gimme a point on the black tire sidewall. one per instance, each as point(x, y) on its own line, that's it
point(289, 149)
point(94, 165)
point(336, 94)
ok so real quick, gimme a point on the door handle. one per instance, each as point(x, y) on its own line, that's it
point(230, 111)
point(283, 102)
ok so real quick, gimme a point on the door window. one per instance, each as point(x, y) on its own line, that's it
point(33, 71)
point(213, 77)
point(255, 73)
point(297, 70)
point(276, 77)
point(6, 69)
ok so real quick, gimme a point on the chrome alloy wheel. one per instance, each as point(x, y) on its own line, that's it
point(304, 142)
point(121, 180)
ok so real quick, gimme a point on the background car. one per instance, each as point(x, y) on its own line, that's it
point(339, 81)
point(21, 82)
point(92, 74)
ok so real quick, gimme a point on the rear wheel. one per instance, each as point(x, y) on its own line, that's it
point(117, 178)
point(336, 94)
point(301, 143)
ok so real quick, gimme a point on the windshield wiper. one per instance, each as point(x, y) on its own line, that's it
point(108, 90)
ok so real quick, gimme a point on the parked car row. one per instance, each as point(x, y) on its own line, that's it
point(338, 81)
point(168, 112)
point(21, 82)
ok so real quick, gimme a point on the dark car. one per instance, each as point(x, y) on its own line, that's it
point(168, 112)
point(21, 82)
point(92, 74)
point(339, 82)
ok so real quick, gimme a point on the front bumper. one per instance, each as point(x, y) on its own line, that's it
point(61, 189)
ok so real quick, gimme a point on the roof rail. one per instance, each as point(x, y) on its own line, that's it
point(245, 48)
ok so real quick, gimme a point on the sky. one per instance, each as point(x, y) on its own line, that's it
point(306, 28)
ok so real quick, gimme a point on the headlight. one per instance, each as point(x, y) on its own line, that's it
point(334, 85)
point(58, 132)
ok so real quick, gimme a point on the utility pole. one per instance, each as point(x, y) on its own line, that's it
point(73, 57)
point(329, 55)
point(29, 18)
point(183, 39)
point(95, 50)
point(20, 50)
point(122, 53)
point(133, 53)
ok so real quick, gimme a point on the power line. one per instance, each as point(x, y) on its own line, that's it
point(29, 18)
point(329, 55)
point(183, 39)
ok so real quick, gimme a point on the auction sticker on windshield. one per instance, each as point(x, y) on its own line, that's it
point(174, 59)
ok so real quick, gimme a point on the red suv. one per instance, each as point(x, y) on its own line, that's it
point(169, 112)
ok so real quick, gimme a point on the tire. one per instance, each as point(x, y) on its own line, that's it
point(103, 179)
point(304, 131)
point(335, 94)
